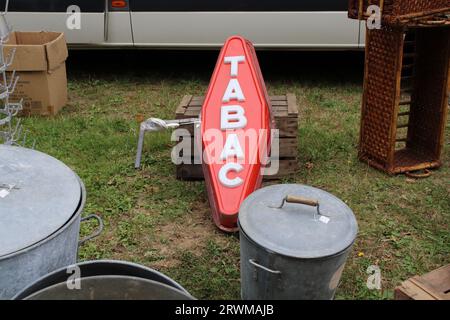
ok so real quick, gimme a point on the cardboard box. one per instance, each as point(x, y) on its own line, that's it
point(40, 64)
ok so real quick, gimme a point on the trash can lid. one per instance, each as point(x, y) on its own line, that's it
point(38, 195)
point(297, 230)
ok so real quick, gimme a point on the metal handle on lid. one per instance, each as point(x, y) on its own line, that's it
point(300, 200)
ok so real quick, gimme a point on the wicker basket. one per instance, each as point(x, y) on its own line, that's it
point(405, 98)
point(396, 12)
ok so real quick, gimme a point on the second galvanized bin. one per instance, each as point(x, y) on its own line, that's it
point(104, 280)
point(295, 240)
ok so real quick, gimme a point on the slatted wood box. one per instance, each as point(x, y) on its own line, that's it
point(285, 111)
point(434, 285)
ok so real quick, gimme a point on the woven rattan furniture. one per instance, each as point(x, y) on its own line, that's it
point(396, 12)
point(405, 99)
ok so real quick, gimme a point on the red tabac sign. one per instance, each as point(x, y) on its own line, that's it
point(235, 131)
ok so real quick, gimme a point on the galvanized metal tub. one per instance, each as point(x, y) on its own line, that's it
point(33, 240)
point(294, 241)
point(106, 280)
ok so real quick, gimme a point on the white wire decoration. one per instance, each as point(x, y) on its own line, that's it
point(11, 132)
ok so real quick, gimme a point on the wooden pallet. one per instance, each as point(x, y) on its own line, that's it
point(285, 112)
point(431, 286)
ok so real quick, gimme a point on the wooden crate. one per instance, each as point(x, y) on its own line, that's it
point(285, 111)
point(431, 286)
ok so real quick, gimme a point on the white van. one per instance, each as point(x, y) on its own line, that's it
point(279, 24)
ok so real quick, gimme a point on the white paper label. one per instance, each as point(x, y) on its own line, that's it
point(324, 219)
point(3, 193)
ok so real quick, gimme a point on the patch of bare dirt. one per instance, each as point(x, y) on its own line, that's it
point(161, 246)
point(189, 233)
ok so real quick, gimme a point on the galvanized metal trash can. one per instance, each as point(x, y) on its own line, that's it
point(41, 200)
point(294, 240)
point(105, 280)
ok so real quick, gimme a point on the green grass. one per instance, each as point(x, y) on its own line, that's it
point(153, 219)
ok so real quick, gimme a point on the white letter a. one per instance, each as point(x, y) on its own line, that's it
point(233, 92)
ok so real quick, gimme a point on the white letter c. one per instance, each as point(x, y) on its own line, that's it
point(230, 183)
